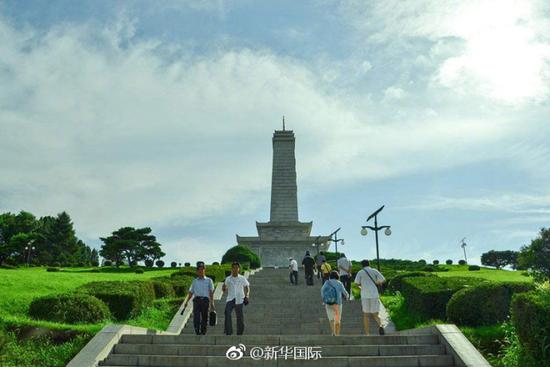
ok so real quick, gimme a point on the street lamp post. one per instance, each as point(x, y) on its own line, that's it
point(387, 231)
point(29, 249)
point(336, 239)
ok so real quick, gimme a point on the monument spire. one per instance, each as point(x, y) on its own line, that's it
point(283, 122)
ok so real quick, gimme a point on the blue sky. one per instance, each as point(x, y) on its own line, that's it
point(161, 114)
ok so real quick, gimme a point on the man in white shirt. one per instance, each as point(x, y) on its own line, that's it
point(293, 267)
point(237, 288)
point(344, 271)
point(367, 279)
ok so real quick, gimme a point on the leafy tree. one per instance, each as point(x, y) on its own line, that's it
point(131, 244)
point(536, 256)
point(499, 259)
point(435, 262)
point(449, 262)
point(160, 263)
point(173, 264)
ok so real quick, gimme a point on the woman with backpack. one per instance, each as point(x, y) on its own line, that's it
point(331, 293)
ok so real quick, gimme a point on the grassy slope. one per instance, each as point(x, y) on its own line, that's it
point(19, 287)
point(490, 274)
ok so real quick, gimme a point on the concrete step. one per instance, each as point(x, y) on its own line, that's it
point(214, 361)
point(281, 339)
point(328, 351)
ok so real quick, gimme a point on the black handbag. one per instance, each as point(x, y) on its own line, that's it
point(212, 318)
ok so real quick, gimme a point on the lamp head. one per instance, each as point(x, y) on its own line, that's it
point(364, 231)
point(387, 232)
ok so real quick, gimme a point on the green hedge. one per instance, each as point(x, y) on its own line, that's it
point(125, 299)
point(215, 272)
point(180, 283)
point(474, 268)
point(241, 254)
point(69, 308)
point(531, 318)
point(485, 304)
point(163, 289)
point(394, 284)
point(427, 297)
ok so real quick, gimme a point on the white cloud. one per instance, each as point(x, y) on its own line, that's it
point(504, 53)
point(120, 131)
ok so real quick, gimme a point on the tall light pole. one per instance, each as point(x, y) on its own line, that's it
point(29, 249)
point(387, 231)
point(463, 245)
point(336, 239)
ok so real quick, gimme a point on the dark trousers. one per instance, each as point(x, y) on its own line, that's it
point(229, 306)
point(319, 272)
point(309, 275)
point(294, 277)
point(200, 314)
point(346, 281)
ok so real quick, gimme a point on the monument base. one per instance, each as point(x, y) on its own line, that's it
point(276, 253)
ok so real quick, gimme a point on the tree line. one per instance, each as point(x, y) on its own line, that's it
point(535, 256)
point(48, 240)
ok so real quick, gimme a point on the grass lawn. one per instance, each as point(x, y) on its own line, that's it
point(19, 287)
point(487, 273)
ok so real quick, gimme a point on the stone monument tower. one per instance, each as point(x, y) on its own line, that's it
point(284, 235)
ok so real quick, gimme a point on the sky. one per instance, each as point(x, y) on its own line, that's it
point(161, 114)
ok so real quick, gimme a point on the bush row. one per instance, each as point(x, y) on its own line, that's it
point(97, 301)
point(485, 304)
point(428, 296)
point(531, 319)
point(394, 284)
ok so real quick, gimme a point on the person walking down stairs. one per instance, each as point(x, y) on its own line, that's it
point(237, 287)
point(202, 288)
point(368, 279)
point(332, 293)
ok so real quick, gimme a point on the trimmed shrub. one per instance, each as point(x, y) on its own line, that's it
point(394, 284)
point(531, 318)
point(56, 264)
point(485, 304)
point(435, 262)
point(422, 261)
point(180, 284)
point(241, 254)
point(125, 299)
point(52, 270)
point(474, 268)
point(428, 268)
point(69, 308)
point(215, 272)
point(149, 263)
point(428, 296)
point(163, 288)
point(187, 264)
point(160, 263)
point(461, 262)
point(107, 263)
point(138, 271)
point(215, 263)
point(449, 262)
point(174, 264)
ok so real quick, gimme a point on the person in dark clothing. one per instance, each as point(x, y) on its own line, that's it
point(308, 263)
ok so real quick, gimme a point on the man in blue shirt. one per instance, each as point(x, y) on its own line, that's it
point(202, 289)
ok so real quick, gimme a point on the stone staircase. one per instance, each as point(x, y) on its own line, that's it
point(284, 325)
